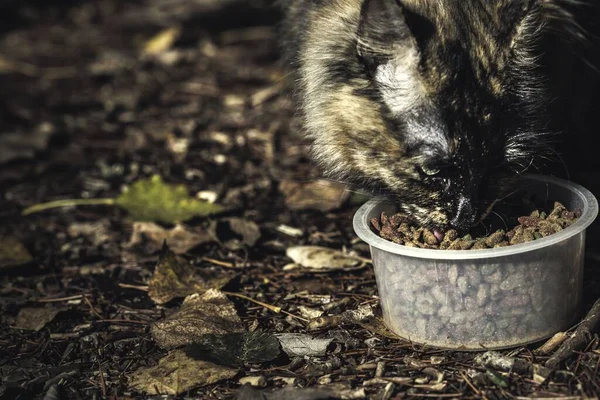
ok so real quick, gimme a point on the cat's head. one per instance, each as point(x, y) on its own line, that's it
point(439, 104)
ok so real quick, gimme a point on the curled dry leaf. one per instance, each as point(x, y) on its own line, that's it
point(177, 373)
point(162, 41)
point(175, 277)
point(321, 195)
point(235, 233)
point(323, 259)
point(24, 145)
point(300, 345)
point(34, 319)
point(13, 252)
point(309, 313)
point(180, 239)
point(210, 313)
point(96, 232)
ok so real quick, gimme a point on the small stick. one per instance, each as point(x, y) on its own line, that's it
point(579, 338)
point(273, 308)
point(218, 262)
point(468, 382)
point(92, 309)
point(102, 381)
point(136, 287)
point(59, 299)
point(551, 344)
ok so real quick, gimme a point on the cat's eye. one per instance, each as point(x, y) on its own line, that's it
point(427, 170)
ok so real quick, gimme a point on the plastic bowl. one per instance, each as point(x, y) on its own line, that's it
point(483, 299)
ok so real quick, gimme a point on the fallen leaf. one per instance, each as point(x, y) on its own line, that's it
point(323, 259)
point(322, 392)
point(175, 277)
point(146, 200)
point(210, 313)
point(248, 230)
point(321, 195)
point(300, 345)
point(234, 233)
point(24, 145)
point(236, 349)
point(34, 319)
point(162, 41)
point(13, 252)
point(177, 373)
point(153, 200)
point(290, 231)
point(309, 313)
point(179, 239)
point(255, 380)
point(178, 146)
point(97, 232)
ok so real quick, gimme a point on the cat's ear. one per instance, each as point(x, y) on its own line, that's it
point(382, 28)
point(386, 26)
point(531, 17)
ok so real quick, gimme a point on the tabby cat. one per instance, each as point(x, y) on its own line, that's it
point(440, 104)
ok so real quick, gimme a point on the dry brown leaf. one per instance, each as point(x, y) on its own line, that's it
point(321, 195)
point(322, 259)
point(236, 233)
point(177, 373)
point(13, 252)
point(300, 344)
point(34, 319)
point(180, 239)
point(162, 41)
point(97, 232)
point(175, 277)
point(210, 313)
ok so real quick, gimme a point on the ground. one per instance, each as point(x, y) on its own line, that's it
point(96, 96)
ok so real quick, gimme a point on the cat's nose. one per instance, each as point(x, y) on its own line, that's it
point(465, 214)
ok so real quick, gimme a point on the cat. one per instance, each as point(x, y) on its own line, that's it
point(440, 105)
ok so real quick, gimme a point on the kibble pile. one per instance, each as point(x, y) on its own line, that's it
point(536, 225)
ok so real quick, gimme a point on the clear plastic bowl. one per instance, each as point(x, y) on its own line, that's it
point(483, 299)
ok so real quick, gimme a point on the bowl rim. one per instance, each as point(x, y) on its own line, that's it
point(361, 223)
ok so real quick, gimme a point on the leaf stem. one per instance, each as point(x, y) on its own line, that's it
point(67, 203)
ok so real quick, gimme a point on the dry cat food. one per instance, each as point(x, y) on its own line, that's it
point(536, 225)
point(458, 302)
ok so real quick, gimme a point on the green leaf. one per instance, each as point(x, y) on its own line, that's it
point(153, 200)
point(146, 200)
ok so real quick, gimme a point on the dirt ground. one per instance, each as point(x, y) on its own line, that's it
point(98, 95)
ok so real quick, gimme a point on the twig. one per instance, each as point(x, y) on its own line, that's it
point(89, 303)
point(579, 338)
point(551, 344)
point(136, 287)
point(123, 321)
point(102, 381)
point(468, 382)
point(59, 299)
point(218, 262)
point(273, 308)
